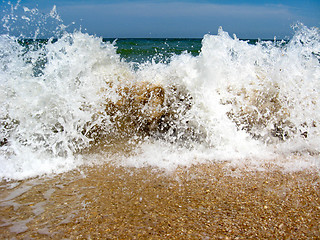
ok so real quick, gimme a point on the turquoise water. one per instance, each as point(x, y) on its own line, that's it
point(157, 49)
point(141, 50)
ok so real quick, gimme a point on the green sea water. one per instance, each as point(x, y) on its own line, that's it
point(137, 51)
point(140, 50)
point(157, 49)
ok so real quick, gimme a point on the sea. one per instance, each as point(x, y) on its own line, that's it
point(77, 99)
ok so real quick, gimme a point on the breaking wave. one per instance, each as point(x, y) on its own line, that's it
point(65, 99)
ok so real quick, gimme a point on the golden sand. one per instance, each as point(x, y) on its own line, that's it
point(200, 202)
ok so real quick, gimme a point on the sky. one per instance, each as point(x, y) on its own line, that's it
point(169, 19)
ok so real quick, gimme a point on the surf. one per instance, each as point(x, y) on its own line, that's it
point(73, 100)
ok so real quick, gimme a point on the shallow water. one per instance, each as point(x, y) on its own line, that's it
point(203, 201)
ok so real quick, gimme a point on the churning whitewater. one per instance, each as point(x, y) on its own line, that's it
point(73, 101)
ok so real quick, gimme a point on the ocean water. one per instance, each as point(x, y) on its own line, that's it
point(79, 99)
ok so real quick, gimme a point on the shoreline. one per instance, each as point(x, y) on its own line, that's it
point(205, 201)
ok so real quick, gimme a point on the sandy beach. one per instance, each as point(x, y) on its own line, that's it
point(201, 202)
point(159, 120)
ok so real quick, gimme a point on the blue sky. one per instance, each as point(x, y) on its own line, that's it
point(181, 18)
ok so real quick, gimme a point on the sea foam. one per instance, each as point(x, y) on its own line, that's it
point(235, 102)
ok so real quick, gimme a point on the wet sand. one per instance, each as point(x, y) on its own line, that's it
point(201, 202)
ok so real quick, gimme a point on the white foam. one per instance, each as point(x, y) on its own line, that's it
point(231, 83)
